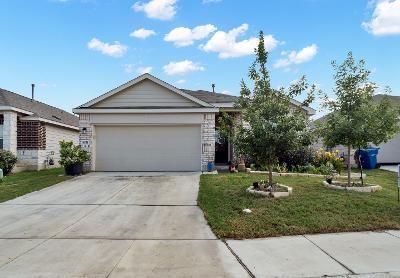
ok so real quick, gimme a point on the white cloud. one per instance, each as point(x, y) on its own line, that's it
point(226, 92)
point(385, 19)
point(227, 46)
point(143, 70)
point(157, 9)
point(297, 57)
point(47, 85)
point(114, 50)
point(128, 68)
point(180, 81)
point(142, 33)
point(183, 36)
point(182, 67)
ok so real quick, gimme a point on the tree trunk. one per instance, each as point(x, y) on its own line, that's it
point(270, 176)
point(361, 168)
point(348, 166)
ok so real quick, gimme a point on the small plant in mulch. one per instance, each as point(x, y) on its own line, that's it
point(264, 186)
point(352, 184)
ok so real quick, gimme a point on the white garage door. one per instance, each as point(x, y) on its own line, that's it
point(148, 148)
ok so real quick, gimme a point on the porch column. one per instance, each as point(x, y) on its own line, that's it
point(208, 140)
point(10, 131)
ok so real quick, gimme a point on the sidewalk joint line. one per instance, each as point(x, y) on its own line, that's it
point(238, 259)
point(342, 264)
point(386, 232)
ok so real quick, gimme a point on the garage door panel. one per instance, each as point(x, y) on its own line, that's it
point(148, 148)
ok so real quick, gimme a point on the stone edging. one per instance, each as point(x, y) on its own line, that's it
point(273, 194)
point(367, 189)
point(300, 174)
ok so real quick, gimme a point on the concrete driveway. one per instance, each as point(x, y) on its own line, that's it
point(113, 225)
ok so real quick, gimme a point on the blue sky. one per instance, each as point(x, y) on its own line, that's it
point(75, 50)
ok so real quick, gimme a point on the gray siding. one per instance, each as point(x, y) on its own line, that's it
point(390, 152)
point(146, 94)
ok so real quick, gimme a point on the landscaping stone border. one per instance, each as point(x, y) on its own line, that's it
point(215, 172)
point(251, 190)
point(290, 174)
point(366, 189)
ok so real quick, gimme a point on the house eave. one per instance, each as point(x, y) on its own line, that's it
point(144, 111)
point(15, 109)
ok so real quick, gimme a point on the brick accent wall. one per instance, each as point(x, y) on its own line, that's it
point(207, 140)
point(86, 138)
point(31, 135)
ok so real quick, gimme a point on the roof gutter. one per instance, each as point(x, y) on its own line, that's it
point(144, 111)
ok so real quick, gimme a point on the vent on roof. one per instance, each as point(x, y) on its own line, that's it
point(55, 117)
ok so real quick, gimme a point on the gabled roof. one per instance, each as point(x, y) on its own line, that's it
point(139, 79)
point(37, 108)
point(202, 97)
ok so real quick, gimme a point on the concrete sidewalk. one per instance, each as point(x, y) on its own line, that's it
point(364, 254)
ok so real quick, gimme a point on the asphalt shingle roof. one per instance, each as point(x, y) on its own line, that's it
point(395, 100)
point(210, 97)
point(38, 108)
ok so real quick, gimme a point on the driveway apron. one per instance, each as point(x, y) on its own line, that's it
point(113, 225)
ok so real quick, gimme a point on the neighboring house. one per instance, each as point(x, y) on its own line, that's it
point(149, 125)
point(32, 130)
point(389, 153)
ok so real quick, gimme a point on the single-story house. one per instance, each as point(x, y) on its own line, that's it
point(147, 124)
point(32, 130)
point(389, 153)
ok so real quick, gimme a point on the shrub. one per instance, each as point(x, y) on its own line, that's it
point(71, 154)
point(7, 161)
point(302, 155)
point(324, 157)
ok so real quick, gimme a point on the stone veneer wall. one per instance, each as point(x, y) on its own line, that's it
point(85, 138)
point(10, 131)
point(208, 140)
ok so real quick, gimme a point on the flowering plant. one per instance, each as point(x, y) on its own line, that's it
point(329, 158)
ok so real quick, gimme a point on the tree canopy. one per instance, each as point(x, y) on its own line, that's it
point(269, 121)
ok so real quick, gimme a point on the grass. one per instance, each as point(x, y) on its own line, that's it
point(311, 209)
point(19, 184)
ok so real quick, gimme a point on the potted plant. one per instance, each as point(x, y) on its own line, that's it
point(72, 158)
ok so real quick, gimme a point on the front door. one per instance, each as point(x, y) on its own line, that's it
point(221, 150)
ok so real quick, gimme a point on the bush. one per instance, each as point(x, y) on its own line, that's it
point(303, 155)
point(325, 158)
point(71, 154)
point(7, 161)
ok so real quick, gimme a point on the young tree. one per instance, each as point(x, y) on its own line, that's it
point(355, 120)
point(269, 122)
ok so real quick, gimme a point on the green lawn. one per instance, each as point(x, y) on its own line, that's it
point(311, 209)
point(22, 183)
